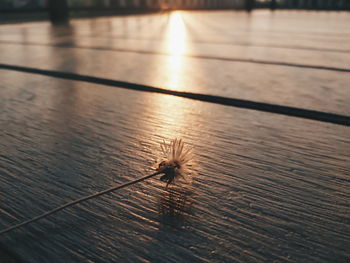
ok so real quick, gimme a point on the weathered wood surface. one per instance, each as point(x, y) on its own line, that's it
point(270, 187)
point(120, 48)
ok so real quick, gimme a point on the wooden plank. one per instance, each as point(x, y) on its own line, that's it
point(270, 187)
point(261, 58)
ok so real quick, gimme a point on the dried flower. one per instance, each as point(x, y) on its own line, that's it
point(177, 162)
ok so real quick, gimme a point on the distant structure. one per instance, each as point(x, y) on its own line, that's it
point(304, 4)
point(273, 4)
point(249, 5)
point(58, 9)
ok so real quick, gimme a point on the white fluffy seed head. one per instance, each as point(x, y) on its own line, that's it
point(177, 161)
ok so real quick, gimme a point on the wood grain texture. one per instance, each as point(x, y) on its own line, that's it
point(222, 45)
point(270, 187)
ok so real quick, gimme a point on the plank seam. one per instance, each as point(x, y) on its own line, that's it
point(233, 102)
point(232, 59)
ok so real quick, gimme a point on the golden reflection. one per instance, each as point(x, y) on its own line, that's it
point(171, 73)
point(176, 34)
point(175, 46)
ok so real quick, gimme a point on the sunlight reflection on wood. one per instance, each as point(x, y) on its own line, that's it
point(174, 124)
point(176, 34)
point(176, 45)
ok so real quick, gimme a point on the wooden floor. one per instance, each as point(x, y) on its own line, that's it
point(79, 113)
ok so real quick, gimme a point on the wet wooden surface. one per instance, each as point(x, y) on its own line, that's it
point(270, 187)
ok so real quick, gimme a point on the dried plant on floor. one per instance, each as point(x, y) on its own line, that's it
point(177, 162)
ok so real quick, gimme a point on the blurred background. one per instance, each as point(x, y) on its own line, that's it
point(12, 10)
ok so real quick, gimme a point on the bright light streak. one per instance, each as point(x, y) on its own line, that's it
point(171, 112)
point(176, 34)
point(175, 46)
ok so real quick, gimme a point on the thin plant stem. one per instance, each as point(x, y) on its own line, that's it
point(114, 188)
